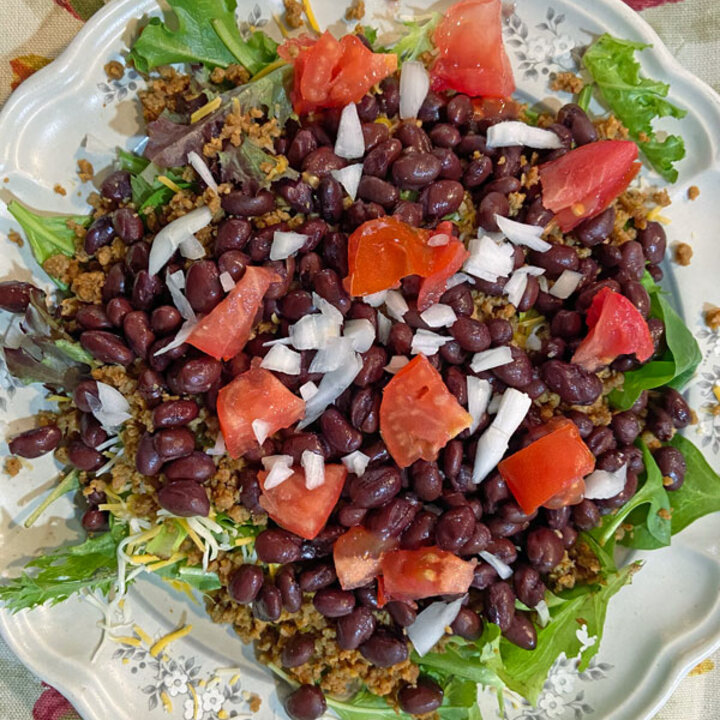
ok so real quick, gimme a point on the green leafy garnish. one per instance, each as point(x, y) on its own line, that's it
point(700, 493)
point(525, 671)
point(203, 31)
point(149, 195)
point(66, 485)
point(675, 367)
point(370, 34)
point(132, 163)
point(249, 162)
point(194, 576)
point(48, 235)
point(91, 565)
point(417, 38)
point(635, 100)
point(168, 540)
point(584, 97)
point(269, 92)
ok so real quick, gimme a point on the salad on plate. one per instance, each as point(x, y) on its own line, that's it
point(368, 352)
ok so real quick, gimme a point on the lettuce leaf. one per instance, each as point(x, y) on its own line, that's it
point(677, 365)
point(203, 31)
point(635, 100)
point(193, 575)
point(417, 38)
point(48, 235)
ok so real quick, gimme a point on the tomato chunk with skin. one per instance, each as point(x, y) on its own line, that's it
point(357, 556)
point(223, 332)
point(383, 251)
point(255, 395)
point(418, 414)
point(617, 328)
point(301, 511)
point(585, 181)
point(427, 572)
point(549, 467)
point(332, 73)
point(471, 56)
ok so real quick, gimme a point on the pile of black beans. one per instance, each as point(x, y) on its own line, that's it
point(419, 174)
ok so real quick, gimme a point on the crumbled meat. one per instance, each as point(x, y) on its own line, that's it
point(88, 286)
point(163, 93)
point(62, 267)
point(59, 189)
point(567, 82)
point(693, 192)
point(86, 172)
point(712, 318)
point(13, 466)
point(516, 200)
point(356, 11)
point(293, 13)
point(610, 128)
point(683, 254)
point(114, 70)
point(15, 237)
point(234, 74)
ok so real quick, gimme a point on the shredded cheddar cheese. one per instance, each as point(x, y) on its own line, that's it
point(311, 17)
point(164, 641)
point(206, 109)
point(167, 182)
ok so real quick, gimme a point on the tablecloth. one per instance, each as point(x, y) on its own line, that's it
point(35, 31)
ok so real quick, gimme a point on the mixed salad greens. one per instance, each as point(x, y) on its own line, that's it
point(204, 35)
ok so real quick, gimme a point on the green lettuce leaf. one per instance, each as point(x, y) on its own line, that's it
point(90, 565)
point(149, 195)
point(48, 235)
point(677, 365)
point(132, 163)
point(417, 38)
point(269, 92)
point(168, 540)
point(69, 483)
point(202, 31)
point(245, 163)
point(194, 576)
point(363, 706)
point(634, 99)
point(700, 493)
point(525, 671)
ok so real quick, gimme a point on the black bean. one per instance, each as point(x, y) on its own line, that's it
point(375, 189)
point(500, 604)
point(503, 185)
point(277, 546)
point(441, 198)
point(297, 650)
point(194, 376)
point(654, 242)
point(459, 110)
point(424, 697)
point(322, 161)
point(445, 135)
point(147, 458)
point(268, 604)
point(480, 539)
point(197, 466)
point(115, 282)
point(477, 172)
point(373, 134)
point(184, 497)
point(333, 603)
point(240, 203)
point(289, 587)
point(305, 703)
point(676, 406)
point(128, 225)
point(374, 362)
point(421, 532)
point(484, 576)
point(432, 107)
point(660, 423)
point(393, 518)
point(566, 324)
point(384, 649)
point(174, 443)
point(136, 326)
point(529, 586)
point(317, 577)
point(427, 480)
point(117, 309)
point(572, 383)
point(544, 549)
point(579, 124)
point(15, 295)
point(518, 372)
point(36, 442)
point(329, 287)
point(536, 214)
point(492, 204)
point(672, 466)
point(454, 528)
point(501, 331)
point(557, 259)
point(521, 632)
point(626, 427)
point(597, 229)
point(100, 233)
point(339, 433)
point(586, 515)
point(245, 583)
point(95, 520)
point(600, 440)
point(467, 624)
point(116, 186)
point(638, 296)
point(355, 628)
point(408, 212)
point(415, 170)
point(450, 166)
point(106, 347)
point(335, 252)
point(632, 260)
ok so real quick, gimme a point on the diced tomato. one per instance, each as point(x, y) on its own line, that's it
point(383, 251)
point(301, 511)
point(617, 328)
point(584, 181)
point(357, 556)
point(255, 395)
point(471, 56)
point(330, 73)
point(224, 331)
point(418, 414)
point(291, 47)
point(500, 108)
point(551, 465)
point(416, 574)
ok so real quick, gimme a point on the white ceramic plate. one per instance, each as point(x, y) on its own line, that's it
point(656, 630)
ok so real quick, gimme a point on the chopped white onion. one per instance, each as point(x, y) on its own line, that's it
point(502, 568)
point(180, 337)
point(429, 626)
point(349, 142)
point(384, 325)
point(375, 299)
point(479, 392)
point(327, 309)
point(438, 240)
point(488, 259)
point(492, 358)
point(543, 283)
point(110, 407)
point(494, 404)
point(602, 484)
point(167, 241)
point(522, 233)
point(202, 170)
point(458, 279)
point(531, 270)
point(427, 342)
point(314, 466)
point(308, 390)
point(438, 315)
point(361, 332)
point(397, 363)
point(331, 387)
point(278, 341)
point(175, 284)
point(512, 133)
point(515, 287)
point(278, 468)
point(396, 305)
point(285, 244)
point(313, 332)
point(356, 462)
point(191, 248)
point(226, 281)
point(533, 342)
point(493, 443)
point(282, 359)
point(566, 284)
point(414, 86)
point(337, 351)
point(219, 447)
point(261, 430)
point(349, 178)
point(543, 613)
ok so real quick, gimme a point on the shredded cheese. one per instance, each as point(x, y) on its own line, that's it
point(144, 559)
point(167, 182)
point(165, 563)
point(265, 71)
point(164, 641)
point(206, 109)
point(281, 25)
point(142, 635)
point(655, 216)
point(311, 17)
point(192, 534)
point(167, 704)
point(196, 706)
point(125, 640)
